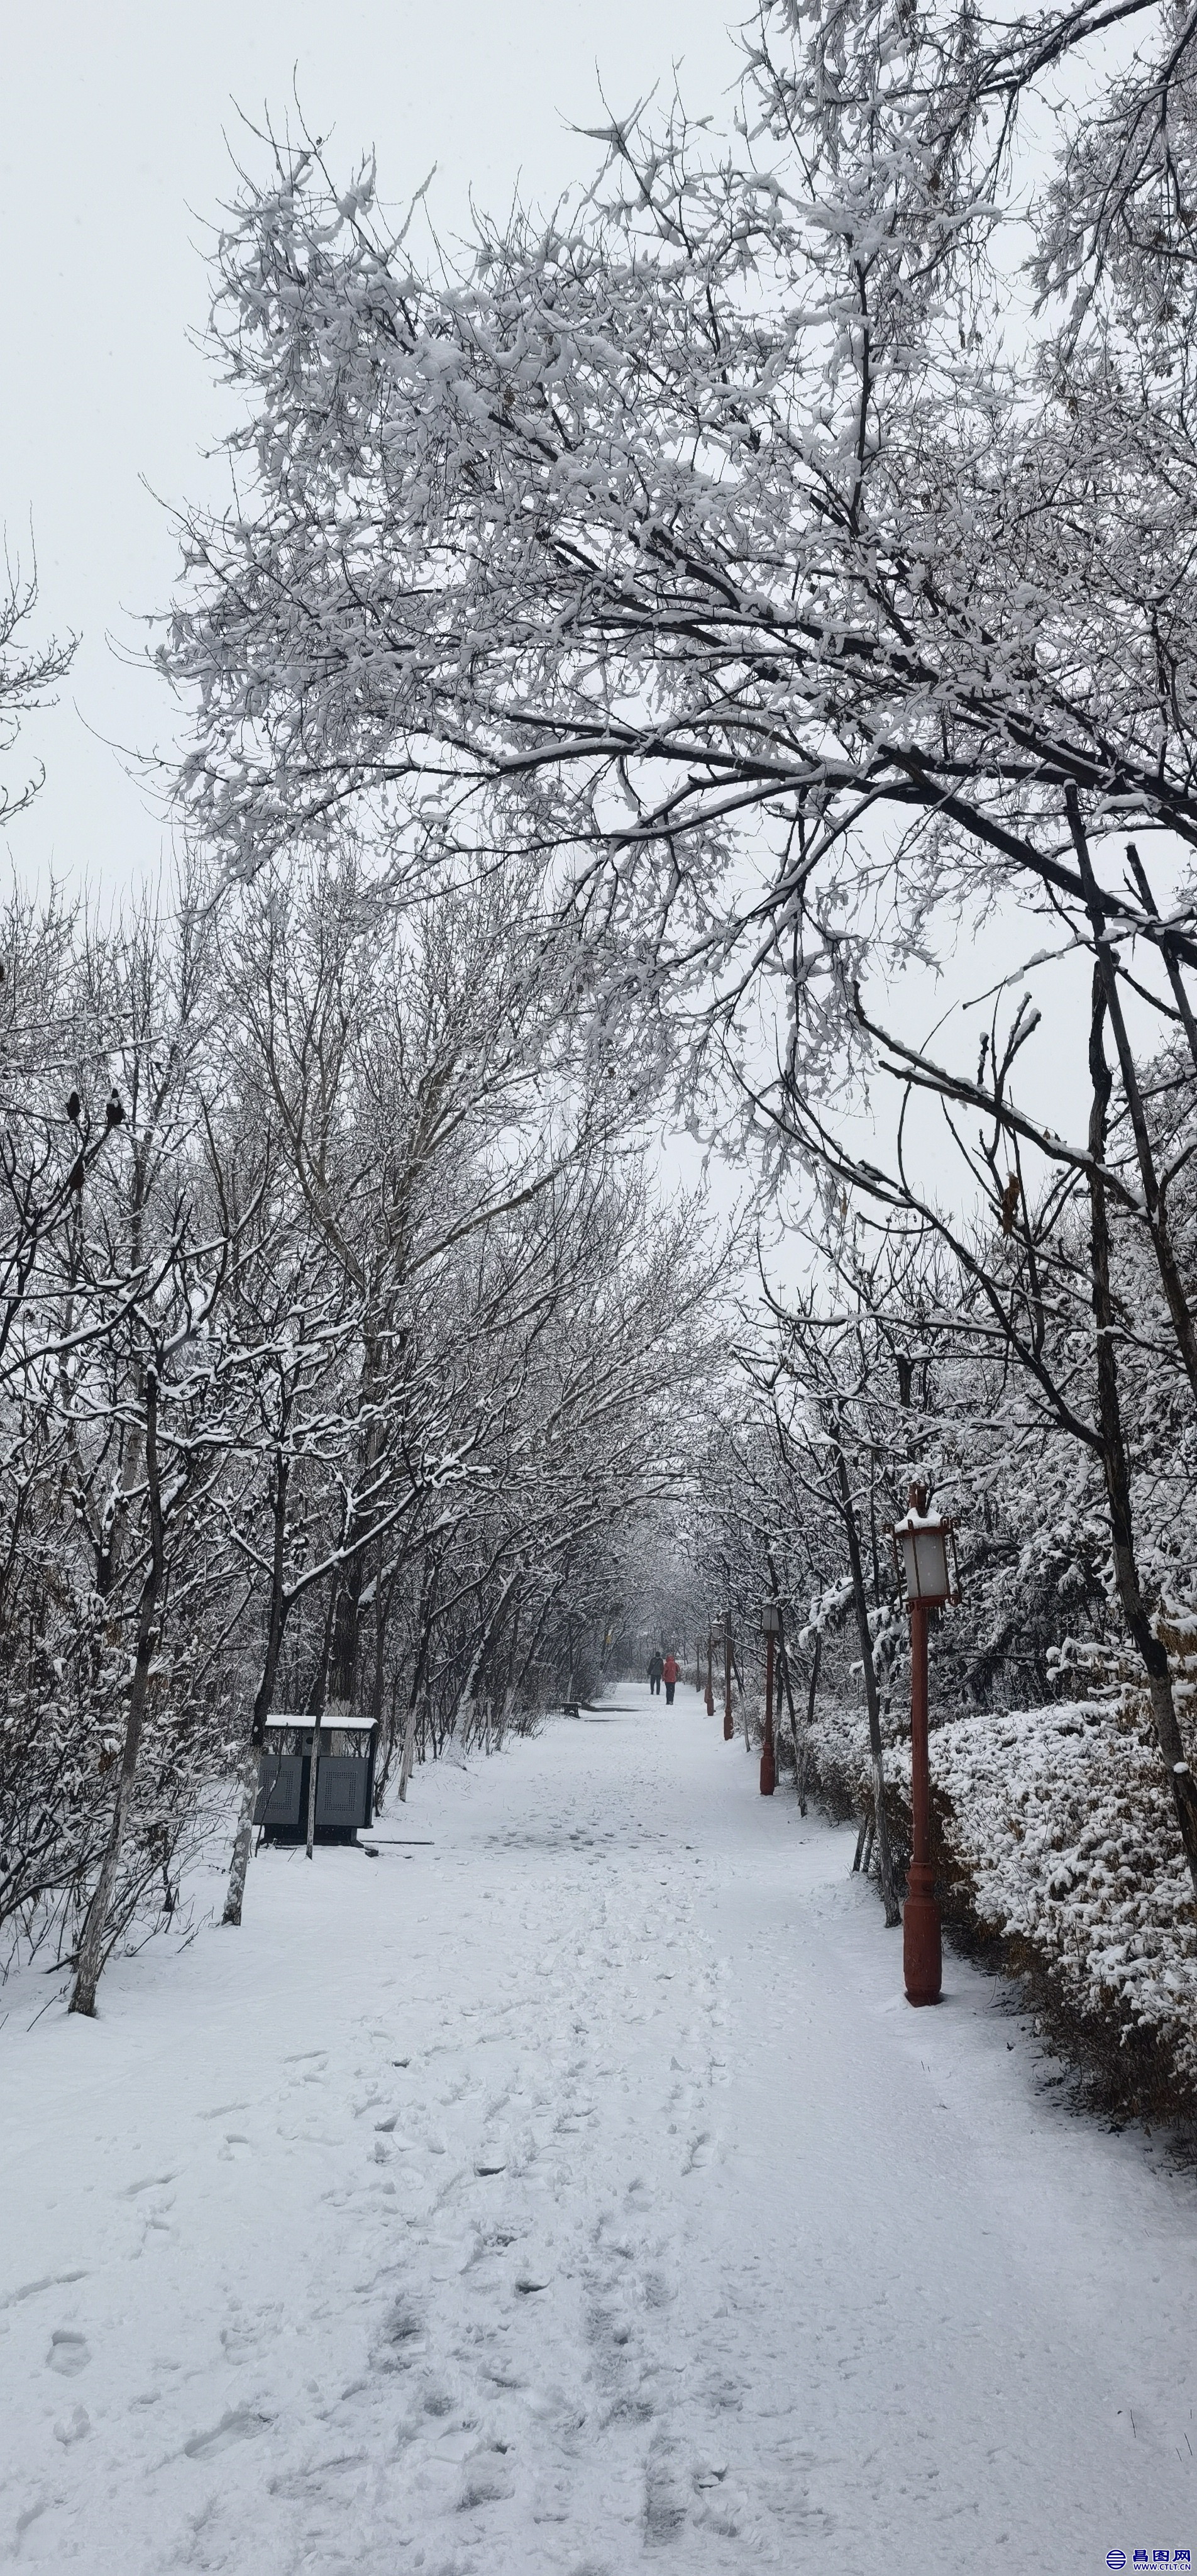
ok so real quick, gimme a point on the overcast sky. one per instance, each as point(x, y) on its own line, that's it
point(113, 161)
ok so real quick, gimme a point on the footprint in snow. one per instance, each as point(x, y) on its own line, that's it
point(248, 2327)
point(401, 2339)
point(238, 2424)
point(32, 2289)
point(666, 2506)
point(456, 2447)
point(235, 2146)
point(68, 2354)
point(72, 2428)
point(485, 2478)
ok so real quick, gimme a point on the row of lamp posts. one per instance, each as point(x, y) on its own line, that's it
point(921, 1549)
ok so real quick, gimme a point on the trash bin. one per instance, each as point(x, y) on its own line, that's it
point(344, 1779)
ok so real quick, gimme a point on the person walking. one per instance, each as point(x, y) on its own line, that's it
point(669, 1677)
point(654, 1674)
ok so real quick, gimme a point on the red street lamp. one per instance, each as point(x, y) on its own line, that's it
point(728, 1724)
point(921, 1544)
point(770, 1630)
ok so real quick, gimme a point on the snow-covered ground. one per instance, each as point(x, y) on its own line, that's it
point(570, 2191)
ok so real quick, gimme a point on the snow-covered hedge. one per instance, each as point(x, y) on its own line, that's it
point(1057, 1841)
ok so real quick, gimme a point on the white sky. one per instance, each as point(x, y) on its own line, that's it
point(113, 161)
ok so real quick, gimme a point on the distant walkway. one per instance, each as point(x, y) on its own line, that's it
point(572, 2193)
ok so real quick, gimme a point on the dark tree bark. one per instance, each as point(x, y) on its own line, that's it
point(92, 1948)
point(1155, 1197)
point(276, 1621)
point(889, 1896)
point(1136, 1607)
point(784, 1666)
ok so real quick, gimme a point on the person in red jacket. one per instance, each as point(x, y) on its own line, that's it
point(669, 1677)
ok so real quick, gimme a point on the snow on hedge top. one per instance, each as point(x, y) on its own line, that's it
point(1058, 1828)
point(1061, 1819)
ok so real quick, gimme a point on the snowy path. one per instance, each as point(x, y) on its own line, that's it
point(575, 2193)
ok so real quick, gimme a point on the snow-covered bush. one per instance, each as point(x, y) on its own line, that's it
point(1059, 1838)
point(1057, 1852)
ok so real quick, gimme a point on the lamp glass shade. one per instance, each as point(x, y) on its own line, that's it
point(770, 1620)
point(925, 1560)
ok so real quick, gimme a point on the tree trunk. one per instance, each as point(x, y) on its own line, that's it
point(1171, 960)
point(1154, 1198)
point(264, 1698)
point(507, 1699)
point(407, 1759)
point(427, 1623)
point(784, 1666)
point(532, 1650)
point(243, 1839)
point(346, 1640)
point(466, 1696)
point(889, 1897)
point(345, 1646)
point(313, 1771)
point(92, 1950)
point(1136, 1609)
point(801, 1763)
point(316, 1707)
point(407, 1748)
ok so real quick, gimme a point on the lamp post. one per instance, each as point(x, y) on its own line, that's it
point(710, 1681)
point(728, 1722)
point(770, 1630)
point(922, 1540)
